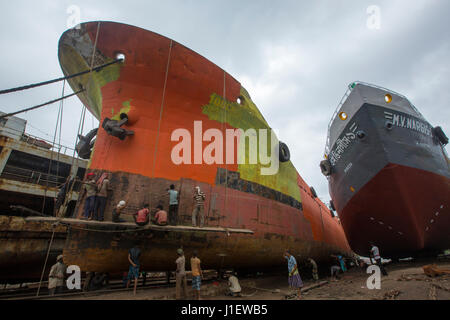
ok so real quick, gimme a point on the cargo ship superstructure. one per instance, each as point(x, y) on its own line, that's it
point(159, 87)
point(388, 173)
point(32, 169)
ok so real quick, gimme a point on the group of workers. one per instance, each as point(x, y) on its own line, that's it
point(57, 272)
point(340, 266)
point(295, 281)
point(180, 274)
point(95, 193)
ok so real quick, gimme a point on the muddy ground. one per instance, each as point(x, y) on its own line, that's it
point(406, 281)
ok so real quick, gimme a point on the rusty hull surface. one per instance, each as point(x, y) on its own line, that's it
point(276, 227)
point(107, 252)
point(23, 248)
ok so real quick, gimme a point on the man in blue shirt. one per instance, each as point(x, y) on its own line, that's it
point(342, 263)
point(295, 281)
point(173, 205)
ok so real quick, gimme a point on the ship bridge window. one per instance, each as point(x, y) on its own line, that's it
point(343, 116)
point(388, 98)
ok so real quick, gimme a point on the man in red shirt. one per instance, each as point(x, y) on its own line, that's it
point(142, 216)
point(160, 216)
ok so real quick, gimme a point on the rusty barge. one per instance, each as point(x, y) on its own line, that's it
point(31, 170)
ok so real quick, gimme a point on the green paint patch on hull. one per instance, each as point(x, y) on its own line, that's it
point(246, 116)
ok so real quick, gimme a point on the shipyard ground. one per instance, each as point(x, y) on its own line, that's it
point(406, 281)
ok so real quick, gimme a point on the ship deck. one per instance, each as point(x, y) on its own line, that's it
point(133, 226)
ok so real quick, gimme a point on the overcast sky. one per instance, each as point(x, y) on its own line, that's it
point(295, 58)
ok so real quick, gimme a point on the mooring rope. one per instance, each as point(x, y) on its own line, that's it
point(39, 84)
point(41, 105)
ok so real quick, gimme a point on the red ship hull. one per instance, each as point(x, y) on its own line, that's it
point(404, 210)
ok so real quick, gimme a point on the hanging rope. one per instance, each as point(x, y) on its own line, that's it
point(160, 118)
point(60, 129)
point(224, 125)
point(30, 86)
point(95, 48)
point(52, 151)
point(69, 194)
point(45, 263)
point(41, 105)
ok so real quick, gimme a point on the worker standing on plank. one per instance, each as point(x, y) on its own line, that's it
point(295, 281)
point(181, 283)
point(90, 190)
point(199, 198)
point(102, 195)
point(56, 277)
point(173, 205)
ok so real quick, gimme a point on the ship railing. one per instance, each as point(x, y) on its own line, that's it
point(344, 98)
point(31, 176)
point(41, 142)
point(46, 144)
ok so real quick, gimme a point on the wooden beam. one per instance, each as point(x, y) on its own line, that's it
point(129, 225)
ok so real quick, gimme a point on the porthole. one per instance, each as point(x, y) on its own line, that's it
point(120, 56)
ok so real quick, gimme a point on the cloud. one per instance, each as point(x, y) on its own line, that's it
point(296, 58)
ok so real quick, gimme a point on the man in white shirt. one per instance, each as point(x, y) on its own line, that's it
point(56, 277)
point(375, 254)
point(234, 286)
point(173, 205)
